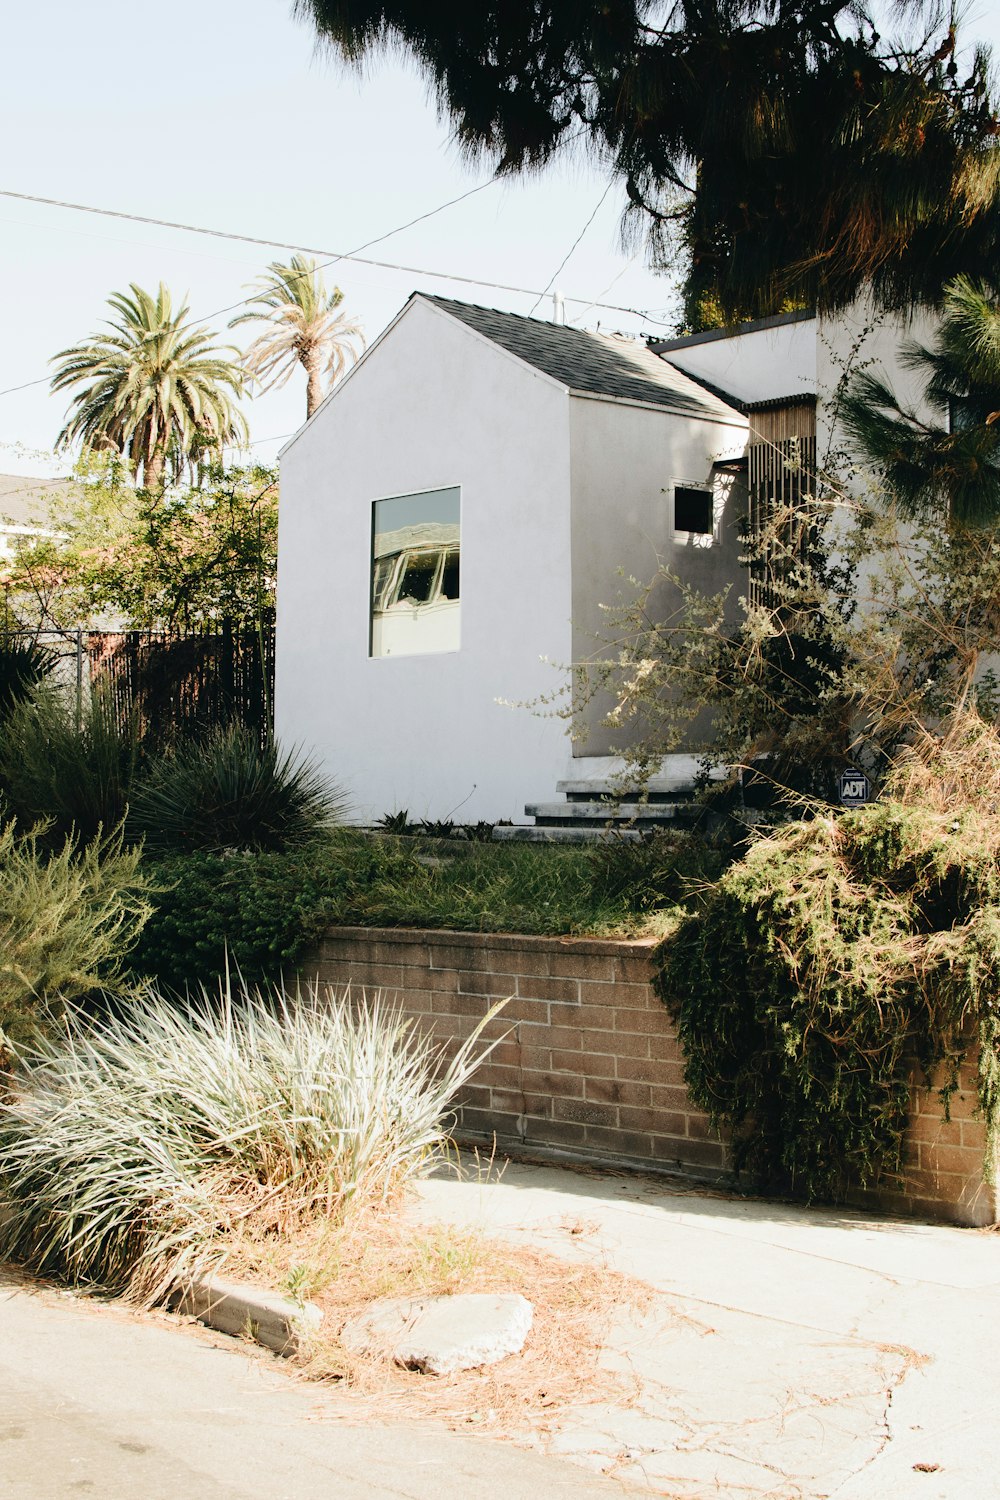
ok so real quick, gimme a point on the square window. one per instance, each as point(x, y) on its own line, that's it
point(693, 509)
point(415, 574)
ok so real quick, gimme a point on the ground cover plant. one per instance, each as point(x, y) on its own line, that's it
point(839, 952)
point(133, 1150)
point(263, 910)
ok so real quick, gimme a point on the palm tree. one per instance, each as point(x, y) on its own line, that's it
point(305, 329)
point(156, 389)
point(949, 464)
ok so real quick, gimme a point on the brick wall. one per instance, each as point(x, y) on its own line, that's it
point(591, 1063)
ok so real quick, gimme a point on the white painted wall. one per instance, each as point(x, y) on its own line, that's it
point(756, 366)
point(625, 461)
point(432, 404)
point(860, 339)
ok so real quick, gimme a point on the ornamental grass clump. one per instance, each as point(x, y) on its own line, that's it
point(836, 955)
point(69, 920)
point(134, 1151)
point(73, 773)
point(227, 791)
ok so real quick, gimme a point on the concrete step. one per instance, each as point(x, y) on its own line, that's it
point(601, 812)
point(521, 833)
point(607, 790)
point(673, 784)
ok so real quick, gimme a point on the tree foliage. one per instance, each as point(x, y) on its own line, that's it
point(155, 388)
point(799, 153)
point(948, 463)
point(191, 555)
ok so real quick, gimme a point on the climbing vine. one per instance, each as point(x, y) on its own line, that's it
point(838, 953)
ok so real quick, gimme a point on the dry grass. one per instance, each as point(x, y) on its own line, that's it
point(384, 1254)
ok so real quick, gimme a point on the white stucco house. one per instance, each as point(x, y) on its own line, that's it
point(451, 519)
point(456, 512)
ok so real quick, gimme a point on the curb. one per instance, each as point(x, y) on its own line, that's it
point(247, 1312)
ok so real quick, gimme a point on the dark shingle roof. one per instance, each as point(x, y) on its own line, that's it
point(595, 364)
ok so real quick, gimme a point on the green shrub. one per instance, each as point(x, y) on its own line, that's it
point(654, 871)
point(265, 908)
point(258, 910)
point(24, 665)
point(133, 1150)
point(75, 778)
point(836, 953)
point(67, 923)
point(226, 792)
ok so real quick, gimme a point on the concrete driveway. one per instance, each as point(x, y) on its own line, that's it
point(787, 1353)
point(794, 1353)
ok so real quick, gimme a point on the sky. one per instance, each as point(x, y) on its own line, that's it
point(223, 114)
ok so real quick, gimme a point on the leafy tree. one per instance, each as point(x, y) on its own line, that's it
point(304, 329)
point(949, 466)
point(156, 388)
point(193, 554)
point(799, 154)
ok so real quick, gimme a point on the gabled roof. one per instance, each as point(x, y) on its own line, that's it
point(591, 364)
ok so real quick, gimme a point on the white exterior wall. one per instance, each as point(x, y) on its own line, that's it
point(432, 405)
point(858, 340)
point(625, 462)
point(758, 366)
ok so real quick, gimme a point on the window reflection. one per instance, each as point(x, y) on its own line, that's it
point(415, 574)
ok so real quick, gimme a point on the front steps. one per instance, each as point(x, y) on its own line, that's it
point(600, 807)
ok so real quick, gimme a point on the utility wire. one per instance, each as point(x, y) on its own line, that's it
point(354, 255)
point(614, 282)
point(351, 255)
point(112, 213)
point(43, 380)
point(565, 260)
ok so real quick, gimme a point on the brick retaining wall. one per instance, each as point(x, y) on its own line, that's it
point(592, 1063)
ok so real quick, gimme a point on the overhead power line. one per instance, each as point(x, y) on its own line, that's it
point(334, 257)
point(352, 255)
point(42, 380)
point(566, 258)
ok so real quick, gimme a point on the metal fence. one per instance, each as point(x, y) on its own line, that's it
point(175, 684)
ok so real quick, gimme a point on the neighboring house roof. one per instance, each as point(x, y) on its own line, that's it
point(591, 364)
point(25, 502)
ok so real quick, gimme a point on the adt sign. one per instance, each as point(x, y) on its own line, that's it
point(855, 788)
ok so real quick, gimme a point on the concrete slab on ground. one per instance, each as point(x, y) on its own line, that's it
point(787, 1352)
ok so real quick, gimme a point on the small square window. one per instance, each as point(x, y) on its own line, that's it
point(693, 509)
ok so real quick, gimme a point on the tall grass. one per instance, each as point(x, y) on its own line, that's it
point(131, 1150)
point(74, 777)
point(68, 922)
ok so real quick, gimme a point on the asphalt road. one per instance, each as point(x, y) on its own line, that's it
point(96, 1402)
